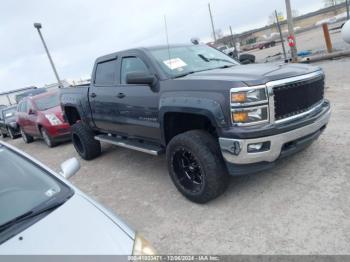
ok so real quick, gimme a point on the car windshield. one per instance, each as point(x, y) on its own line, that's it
point(183, 60)
point(47, 102)
point(25, 186)
point(9, 112)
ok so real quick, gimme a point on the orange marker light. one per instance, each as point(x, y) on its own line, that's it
point(239, 97)
point(240, 117)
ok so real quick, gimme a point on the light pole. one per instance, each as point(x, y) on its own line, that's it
point(38, 27)
point(293, 47)
point(212, 23)
point(281, 36)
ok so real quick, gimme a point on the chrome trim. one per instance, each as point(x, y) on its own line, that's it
point(277, 142)
point(129, 146)
point(294, 79)
point(247, 88)
point(272, 84)
point(291, 118)
point(242, 109)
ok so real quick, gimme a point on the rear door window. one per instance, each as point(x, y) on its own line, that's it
point(106, 73)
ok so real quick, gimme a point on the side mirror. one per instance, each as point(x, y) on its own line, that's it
point(32, 112)
point(69, 168)
point(141, 78)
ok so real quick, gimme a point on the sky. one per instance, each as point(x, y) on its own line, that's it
point(79, 31)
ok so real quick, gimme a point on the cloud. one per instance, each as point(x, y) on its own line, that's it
point(79, 31)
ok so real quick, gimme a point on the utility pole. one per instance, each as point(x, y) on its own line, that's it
point(281, 36)
point(38, 27)
point(347, 9)
point(212, 22)
point(234, 44)
point(293, 48)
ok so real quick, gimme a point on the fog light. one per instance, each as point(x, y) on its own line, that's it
point(258, 147)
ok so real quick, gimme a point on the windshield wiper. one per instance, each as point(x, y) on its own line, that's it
point(206, 59)
point(185, 74)
point(31, 214)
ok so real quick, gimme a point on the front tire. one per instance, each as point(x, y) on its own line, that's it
point(26, 138)
point(196, 166)
point(83, 140)
point(47, 139)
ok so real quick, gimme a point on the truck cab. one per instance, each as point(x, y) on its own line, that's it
point(211, 116)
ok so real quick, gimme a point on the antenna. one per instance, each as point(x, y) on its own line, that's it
point(167, 38)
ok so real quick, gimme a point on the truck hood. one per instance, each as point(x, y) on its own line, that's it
point(76, 228)
point(255, 74)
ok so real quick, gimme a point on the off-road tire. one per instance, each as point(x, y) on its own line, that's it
point(26, 138)
point(205, 149)
point(83, 140)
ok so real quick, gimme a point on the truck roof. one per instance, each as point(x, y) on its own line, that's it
point(142, 49)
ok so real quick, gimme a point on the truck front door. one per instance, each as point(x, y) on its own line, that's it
point(138, 104)
point(130, 110)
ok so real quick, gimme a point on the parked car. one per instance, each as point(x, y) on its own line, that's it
point(47, 215)
point(41, 116)
point(346, 32)
point(210, 115)
point(8, 125)
point(32, 92)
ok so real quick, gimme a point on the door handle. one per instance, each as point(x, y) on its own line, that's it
point(93, 95)
point(121, 95)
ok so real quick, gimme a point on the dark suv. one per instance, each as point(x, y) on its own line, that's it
point(8, 125)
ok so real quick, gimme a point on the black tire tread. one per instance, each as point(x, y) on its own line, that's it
point(207, 150)
point(29, 139)
point(92, 147)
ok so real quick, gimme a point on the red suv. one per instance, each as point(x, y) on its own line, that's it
point(41, 116)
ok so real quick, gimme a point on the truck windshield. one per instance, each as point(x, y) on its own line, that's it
point(182, 60)
point(25, 187)
point(47, 102)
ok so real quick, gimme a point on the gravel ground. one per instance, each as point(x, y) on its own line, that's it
point(299, 207)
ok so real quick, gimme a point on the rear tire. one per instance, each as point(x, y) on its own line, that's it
point(196, 166)
point(83, 140)
point(47, 139)
point(26, 138)
point(11, 134)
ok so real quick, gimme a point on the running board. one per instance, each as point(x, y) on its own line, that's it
point(131, 144)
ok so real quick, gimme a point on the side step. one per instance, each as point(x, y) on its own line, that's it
point(131, 144)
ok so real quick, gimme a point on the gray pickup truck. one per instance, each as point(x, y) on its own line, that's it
point(211, 116)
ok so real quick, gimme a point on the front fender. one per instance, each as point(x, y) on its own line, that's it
point(200, 106)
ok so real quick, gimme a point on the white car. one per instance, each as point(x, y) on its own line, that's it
point(41, 213)
point(346, 32)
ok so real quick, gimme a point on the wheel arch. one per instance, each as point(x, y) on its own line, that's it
point(71, 114)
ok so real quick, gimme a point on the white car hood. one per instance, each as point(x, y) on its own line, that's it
point(76, 228)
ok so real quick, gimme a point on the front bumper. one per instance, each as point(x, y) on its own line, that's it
point(235, 151)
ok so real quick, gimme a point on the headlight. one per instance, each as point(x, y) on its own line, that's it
point(142, 247)
point(53, 119)
point(250, 116)
point(248, 95)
